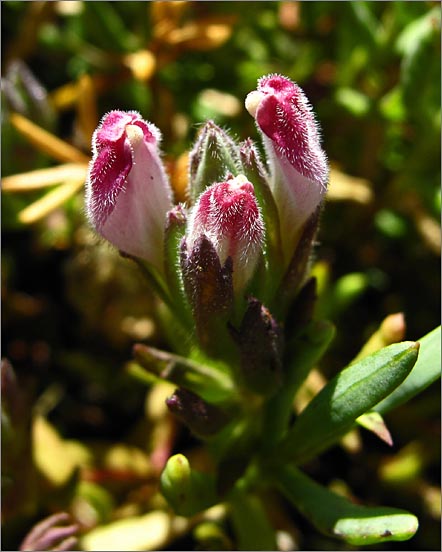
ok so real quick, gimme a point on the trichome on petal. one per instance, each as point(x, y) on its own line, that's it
point(298, 164)
point(228, 214)
point(127, 191)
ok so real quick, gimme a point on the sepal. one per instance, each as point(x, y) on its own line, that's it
point(255, 172)
point(174, 233)
point(260, 342)
point(213, 157)
point(299, 264)
point(209, 289)
point(202, 418)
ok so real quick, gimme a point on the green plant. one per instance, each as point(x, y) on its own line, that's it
point(238, 308)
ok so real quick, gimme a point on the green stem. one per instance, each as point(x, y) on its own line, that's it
point(250, 521)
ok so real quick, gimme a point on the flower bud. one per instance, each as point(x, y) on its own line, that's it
point(188, 491)
point(213, 157)
point(202, 418)
point(227, 213)
point(299, 168)
point(128, 193)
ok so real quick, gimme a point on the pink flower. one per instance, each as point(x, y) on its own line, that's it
point(228, 215)
point(299, 168)
point(128, 193)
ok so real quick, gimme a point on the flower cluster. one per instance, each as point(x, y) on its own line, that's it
point(231, 266)
point(229, 262)
point(128, 195)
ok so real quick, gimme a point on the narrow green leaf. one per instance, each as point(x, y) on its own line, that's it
point(336, 516)
point(250, 522)
point(365, 23)
point(424, 373)
point(207, 381)
point(307, 348)
point(417, 31)
point(103, 21)
point(355, 102)
point(420, 68)
point(347, 396)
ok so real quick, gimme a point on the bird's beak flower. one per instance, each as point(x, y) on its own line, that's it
point(227, 213)
point(298, 165)
point(128, 193)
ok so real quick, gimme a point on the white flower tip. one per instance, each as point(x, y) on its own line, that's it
point(253, 100)
point(134, 134)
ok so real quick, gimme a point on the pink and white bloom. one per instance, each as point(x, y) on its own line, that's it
point(127, 192)
point(298, 164)
point(228, 214)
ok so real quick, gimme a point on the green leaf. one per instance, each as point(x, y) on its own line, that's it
point(355, 102)
point(418, 31)
point(208, 382)
point(250, 522)
point(365, 23)
point(344, 292)
point(307, 348)
point(424, 373)
point(336, 516)
point(98, 499)
point(347, 396)
point(420, 68)
point(391, 105)
point(56, 458)
point(104, 23)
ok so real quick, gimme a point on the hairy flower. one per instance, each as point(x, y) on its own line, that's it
point(298, 165)
point(228, 215)
point(128, 193)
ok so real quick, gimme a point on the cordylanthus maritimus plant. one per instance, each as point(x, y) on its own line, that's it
point(231, 267)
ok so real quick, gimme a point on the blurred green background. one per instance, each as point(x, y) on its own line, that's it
point(72, 308)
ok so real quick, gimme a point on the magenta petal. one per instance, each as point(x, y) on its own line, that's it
point(227, 213)
point(128, 193)
point(285, 116)
point(107, 175)
point(298, 165)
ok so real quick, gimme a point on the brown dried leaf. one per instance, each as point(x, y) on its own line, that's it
point(47, 142)
point(53, 199)
point(344, 187)
point(43, 178)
